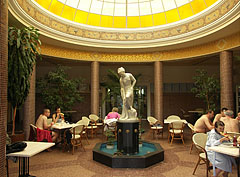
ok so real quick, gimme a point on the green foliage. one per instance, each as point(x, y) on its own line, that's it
point(57, 90)
point(110, 136)
point(206, 88)
point(113, 87)
point(23, 50)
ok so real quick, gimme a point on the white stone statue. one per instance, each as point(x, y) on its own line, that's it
point(127, 82)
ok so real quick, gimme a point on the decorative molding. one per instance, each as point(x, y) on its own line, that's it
point(205, 23)
point(226, 43)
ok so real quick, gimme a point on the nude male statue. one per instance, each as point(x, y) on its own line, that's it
point(127, 82)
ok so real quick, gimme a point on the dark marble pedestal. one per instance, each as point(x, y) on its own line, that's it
point(127, 136)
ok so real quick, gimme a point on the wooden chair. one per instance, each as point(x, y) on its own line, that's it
point(77, 137)
point(154, 126)
point(91, 127)
point(199, 140)
point(192, 132)
point(185, 114)
point(176, 129)
point(33, 133)
point(96, 119)
point(173, 117)
point(85, 121)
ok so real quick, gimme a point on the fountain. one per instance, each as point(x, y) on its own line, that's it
point(126, 152)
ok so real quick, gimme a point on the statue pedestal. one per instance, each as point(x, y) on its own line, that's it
point(127, 136)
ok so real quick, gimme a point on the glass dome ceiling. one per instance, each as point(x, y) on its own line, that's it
point(125, 13)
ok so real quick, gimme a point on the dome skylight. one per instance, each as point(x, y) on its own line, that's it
point(125, 13)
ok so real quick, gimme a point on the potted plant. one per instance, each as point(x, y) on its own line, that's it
point(110, 139)
point(57, 90)
point(140, 141)
point(23, 50)
point(207, 88)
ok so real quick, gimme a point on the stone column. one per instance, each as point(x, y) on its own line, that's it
point(29, 106)
point(3, 82)
point(149, 100)
point(158, 91)
point(226, 79)
point(95, 87)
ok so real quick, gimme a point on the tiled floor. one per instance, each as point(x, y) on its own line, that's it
point(178, 162)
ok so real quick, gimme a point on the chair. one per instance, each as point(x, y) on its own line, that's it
point(192, 132)
point(96, 119)
point(173, 117)
point(33, 133)
point(92, 126)
point(85, 122)
point(199, 140)
point(176, 129)
point(153, 122)
point(76, 139)
point(185, 114)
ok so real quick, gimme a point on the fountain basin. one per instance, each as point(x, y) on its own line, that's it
point(150, 153)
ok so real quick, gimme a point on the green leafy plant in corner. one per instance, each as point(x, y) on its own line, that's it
point(206, 88)
point(110, 137)
point(58, 90)
point(23, 50)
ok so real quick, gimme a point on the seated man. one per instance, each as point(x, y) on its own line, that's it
point(218, 116)
point(231, 125)
point(42, 123)
point(204, 124)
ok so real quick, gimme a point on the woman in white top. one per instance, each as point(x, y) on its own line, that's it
point(58, 116)
point(223, 162)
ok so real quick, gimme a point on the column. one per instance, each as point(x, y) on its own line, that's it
point(3, 82)
point(158, 91)
point(149, 100)
point(104, 104)
point(95, 87)
point(226, 79)
point(29, 106)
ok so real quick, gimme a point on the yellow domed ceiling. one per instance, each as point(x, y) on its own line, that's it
point(125, 13)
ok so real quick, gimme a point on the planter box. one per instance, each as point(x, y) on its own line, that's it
point(17, 137)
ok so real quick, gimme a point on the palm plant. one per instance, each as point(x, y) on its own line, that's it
point(23, 50)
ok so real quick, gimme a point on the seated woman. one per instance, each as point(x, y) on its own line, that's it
point(114, 114)
point(222, 162)
point(111, 119)
point(58, 116)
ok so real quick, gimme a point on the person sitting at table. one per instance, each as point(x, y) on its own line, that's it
point(41, 124)
point(204, 124)
point(114, 114)
point(58, 116)
point(231, 125)
point(222, 162)
point(111, 119)
point(218, 116)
